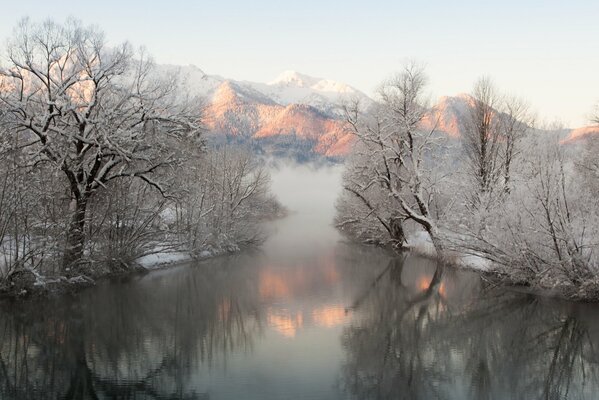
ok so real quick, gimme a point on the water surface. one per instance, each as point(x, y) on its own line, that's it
point(308, 316)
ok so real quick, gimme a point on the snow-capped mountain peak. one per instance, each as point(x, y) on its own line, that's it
point(294, 78)
point(326, 95)
point(290, 87)
point(298, 80)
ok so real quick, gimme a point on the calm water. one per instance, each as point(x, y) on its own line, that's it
point(309, 316)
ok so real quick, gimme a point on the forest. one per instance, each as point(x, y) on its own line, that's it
point(106, 167)
point(103, 164)
point(507, 197)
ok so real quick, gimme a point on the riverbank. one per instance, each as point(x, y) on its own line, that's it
point(28, 283)
point(587, 291)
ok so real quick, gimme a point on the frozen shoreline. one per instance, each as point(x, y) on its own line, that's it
point(421, 244)
point(28, 283)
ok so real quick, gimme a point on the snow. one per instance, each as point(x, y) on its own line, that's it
point(198, 82)
point(290, 87)
point(420, 243)
point(81, 280)
point(475, 262)
point(159, 259)
point(205, 254)
point(293, 78)
point(168, 216)
point(324, 94)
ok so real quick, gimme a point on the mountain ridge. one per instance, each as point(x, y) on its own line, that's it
point(305, 111)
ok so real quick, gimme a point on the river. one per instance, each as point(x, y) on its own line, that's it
point(307, 316)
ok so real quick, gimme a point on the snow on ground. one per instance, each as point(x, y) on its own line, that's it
point(156, 260)
point(420, 242)
point(161, 256)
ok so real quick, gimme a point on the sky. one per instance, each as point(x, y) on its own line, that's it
point(543, 51)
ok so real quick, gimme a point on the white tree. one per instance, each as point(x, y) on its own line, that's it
point(95, 113)
point(516, 121)
point(492, 141)
point(544, 232)
point(396, 162)
point(228, 199)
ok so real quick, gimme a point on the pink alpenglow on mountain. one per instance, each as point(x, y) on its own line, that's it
point(582, 133)
point(236, 110)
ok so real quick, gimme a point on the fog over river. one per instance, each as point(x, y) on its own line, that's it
point(308, 315)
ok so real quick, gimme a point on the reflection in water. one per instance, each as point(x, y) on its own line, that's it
point(442, 335)
point(179, 334)
point(309, 317)
point(286, 324)
point(140, 338)
point(329, 316)
point(209, 332)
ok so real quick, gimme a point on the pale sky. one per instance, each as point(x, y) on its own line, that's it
point(542, 50)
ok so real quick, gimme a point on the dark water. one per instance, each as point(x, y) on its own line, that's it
point(307, 317)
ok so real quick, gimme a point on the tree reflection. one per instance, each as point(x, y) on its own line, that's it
point(452, 339)
point(128, 341)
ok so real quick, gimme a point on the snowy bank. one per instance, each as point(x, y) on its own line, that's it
point(421, 243)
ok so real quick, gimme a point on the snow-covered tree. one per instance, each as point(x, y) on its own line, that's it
point(95, 113)
point(492, 141)
point(391, 173)
point(228, 197)
point(544, 232)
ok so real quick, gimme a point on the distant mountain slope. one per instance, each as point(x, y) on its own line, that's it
point(300, 114)
point(323, 94)
point(301, 110)
point(580, 134)
point(450, 115)
point(288, 88)
point(240, 111)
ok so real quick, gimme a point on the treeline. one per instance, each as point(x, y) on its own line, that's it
point(506, 196)
point(102, 161)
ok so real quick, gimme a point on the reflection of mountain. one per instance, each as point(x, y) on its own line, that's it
point(288, 323)
point(410, 340)
point(408, 330)
point(173, 333)
point(285, 284)
point(291, 292)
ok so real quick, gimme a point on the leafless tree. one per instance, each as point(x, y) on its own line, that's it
point(492, 141)
point(228, 197)
point(95, 113)
point(515, 123)
point(545, 232)
point(394, 157)
point(481, 139)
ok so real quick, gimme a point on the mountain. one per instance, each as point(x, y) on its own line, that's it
point(323, 94)
point(581, 134)
point(300, 115)
point(290, 87)
point(242, 112)
point(292, 113)
point(296, 112)
point(450, 114)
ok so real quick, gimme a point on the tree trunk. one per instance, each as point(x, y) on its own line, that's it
point(437, 243)
point(397, 232)
point(76, 234)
